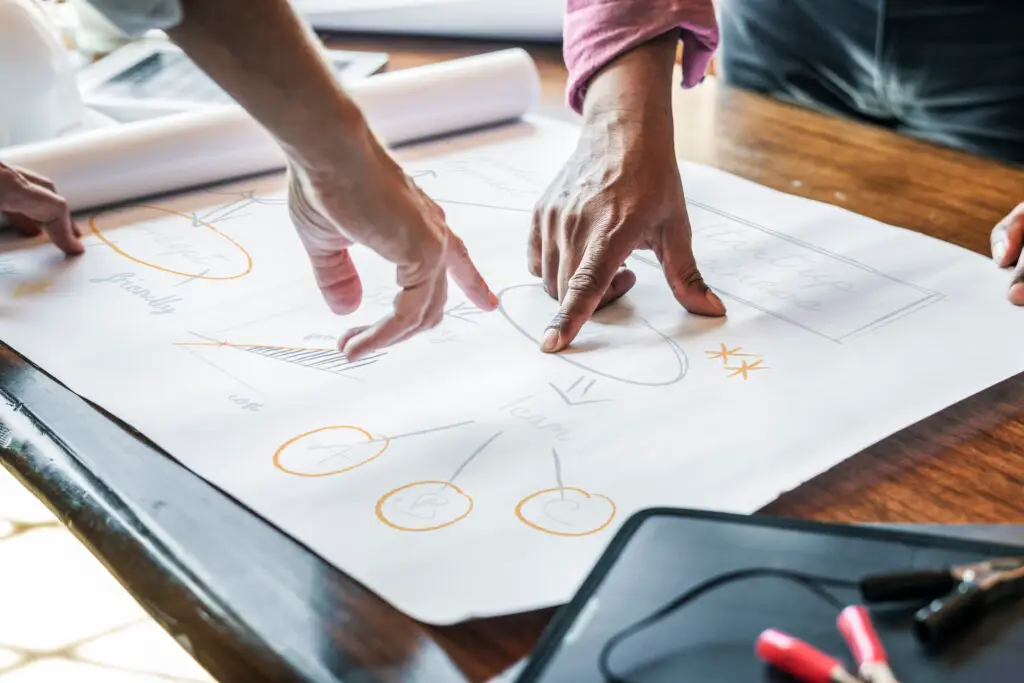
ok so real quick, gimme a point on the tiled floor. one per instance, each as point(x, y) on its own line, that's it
point(63, 617)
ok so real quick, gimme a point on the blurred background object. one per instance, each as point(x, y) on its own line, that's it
point(527, 20)
point(40, 98)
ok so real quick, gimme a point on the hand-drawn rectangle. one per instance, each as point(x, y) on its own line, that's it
point(796, 281)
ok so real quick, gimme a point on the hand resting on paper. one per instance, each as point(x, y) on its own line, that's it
point(1007, 240)
point(619, 191)
point(344, 187)
point(375, 203)
point(31, 206)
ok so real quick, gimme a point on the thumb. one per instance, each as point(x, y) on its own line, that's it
point(684, 279)
point(338, 280)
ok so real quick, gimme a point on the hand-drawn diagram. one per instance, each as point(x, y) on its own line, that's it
point(495, 183)
point(177, 244)
point(233, 210)
point(338, 448)
point(429, 505)
point(575, 394)
point(347, 445)
point(744, 368)
point(793, 280)
point(314, 358)
point(605, 345)
point(565, 510)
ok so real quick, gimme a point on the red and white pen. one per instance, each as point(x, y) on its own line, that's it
point(801, 660)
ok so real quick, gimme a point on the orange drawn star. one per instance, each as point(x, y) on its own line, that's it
point(745, 367)
point(725, 352)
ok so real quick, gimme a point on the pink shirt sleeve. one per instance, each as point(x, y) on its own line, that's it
point(598, 31)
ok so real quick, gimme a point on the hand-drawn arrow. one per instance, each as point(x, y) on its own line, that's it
point(575, 393)
point(464, 311)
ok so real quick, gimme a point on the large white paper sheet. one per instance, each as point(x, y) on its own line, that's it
point(463, 473)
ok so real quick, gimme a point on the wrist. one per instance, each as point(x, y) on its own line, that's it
point(636, 87)
point(331, 148)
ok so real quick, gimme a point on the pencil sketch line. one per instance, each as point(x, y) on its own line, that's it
point(383, 439)
point(588, 387)
point(573, 385)
point(433, 429)
point(477, 452)
point(192, 278)
point(932, 298)
point(483, 206)
point(570, 402)
point(229, 210)
point(558, 472)
point(222, 370)
point(682, 361)
point(321, 359)
point(896, 315)
point(807, 245)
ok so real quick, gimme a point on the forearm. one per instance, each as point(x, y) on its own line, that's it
point(635, 91)
point(261, 53)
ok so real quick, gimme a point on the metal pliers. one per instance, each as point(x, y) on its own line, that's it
point(958, 595)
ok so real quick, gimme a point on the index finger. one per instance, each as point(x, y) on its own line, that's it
point(466, 274)
point(46, 208)
point(583, 295)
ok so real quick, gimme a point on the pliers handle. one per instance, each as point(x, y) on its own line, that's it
point(958, 595)
point(810, 665)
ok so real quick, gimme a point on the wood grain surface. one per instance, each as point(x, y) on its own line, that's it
point(254, 605)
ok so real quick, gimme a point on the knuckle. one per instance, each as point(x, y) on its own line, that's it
point(691, 276)
point(553, 216)
point(408, 319)
point(585, 280)
point(456, 245)
point(560, 320)
point(433, 320)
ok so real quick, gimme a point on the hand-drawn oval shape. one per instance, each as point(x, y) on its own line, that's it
point(177, 244)
point(328, 450)
point(566, 511)
point(424, 506)
point(625, 351)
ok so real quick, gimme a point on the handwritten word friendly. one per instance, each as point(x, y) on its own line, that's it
point(131, 283)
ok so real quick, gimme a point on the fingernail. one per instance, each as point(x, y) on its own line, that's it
point(550, 342)
point(1017, 294)
point(999, 251)
point(715, 301)
point(493, 299)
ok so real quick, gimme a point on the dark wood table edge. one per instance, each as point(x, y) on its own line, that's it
point(103, 522)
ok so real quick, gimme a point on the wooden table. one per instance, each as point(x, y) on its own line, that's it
point(253, 605)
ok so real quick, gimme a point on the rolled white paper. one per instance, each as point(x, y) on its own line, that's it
point(172, 153)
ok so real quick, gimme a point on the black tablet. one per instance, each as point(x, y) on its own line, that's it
point(660, 554)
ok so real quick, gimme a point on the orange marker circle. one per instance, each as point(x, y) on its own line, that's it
point(444, 485)
point(369, 439)
point(538, 527)
point(197, 276)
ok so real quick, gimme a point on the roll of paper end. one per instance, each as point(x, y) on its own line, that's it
point(174, 153)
